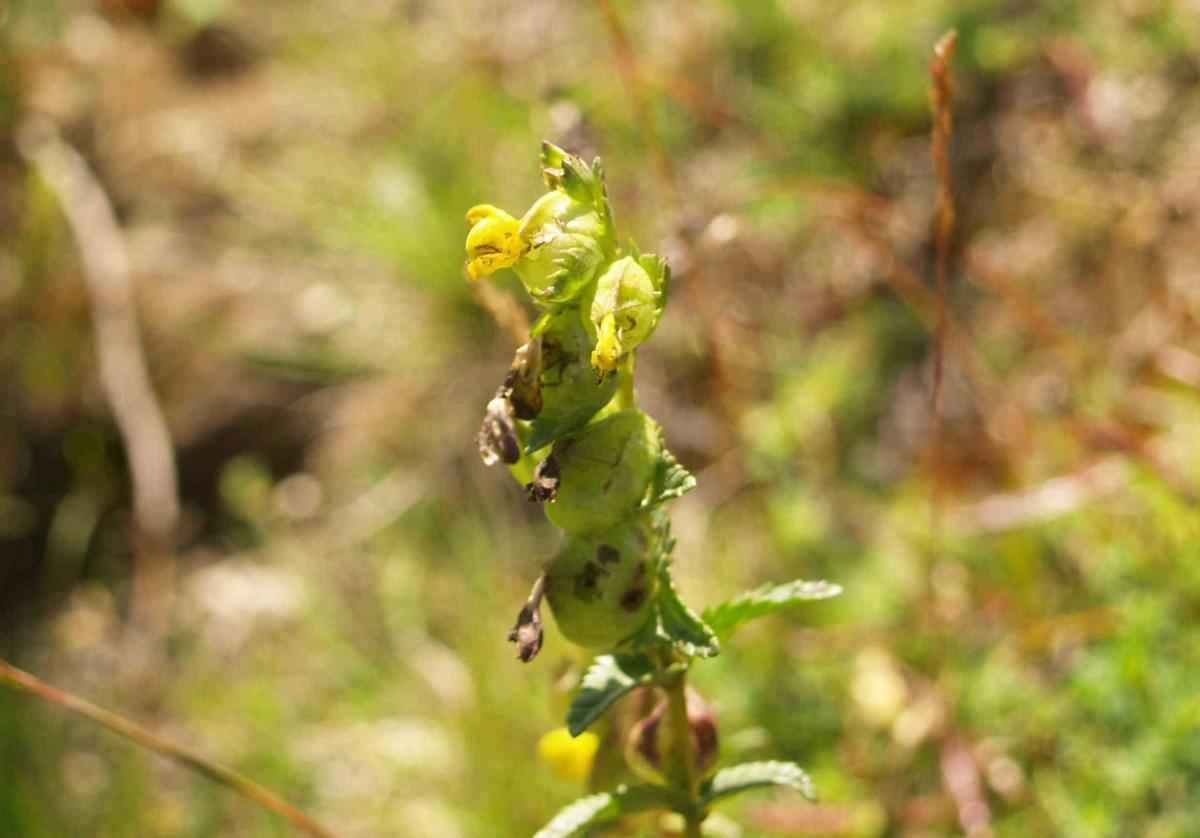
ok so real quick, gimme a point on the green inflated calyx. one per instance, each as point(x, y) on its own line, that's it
point(565, 247)
point(604, 472)
point(600, 586)
point(568, 390)
point(627, 305)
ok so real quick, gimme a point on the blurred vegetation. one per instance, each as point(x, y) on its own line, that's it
point(291, 178)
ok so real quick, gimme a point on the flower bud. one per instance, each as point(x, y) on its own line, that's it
point(604, 472)
point(600, 587)
point(650, 749)
point(626, 307)
point(564, 247)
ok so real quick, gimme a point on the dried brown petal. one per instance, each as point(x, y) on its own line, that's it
point(544, 486)
point(523, 383)
point(527, 633)
point(497, 438)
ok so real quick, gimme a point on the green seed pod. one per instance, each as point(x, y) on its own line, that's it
point(626, 307)
point(569, 392)
point(600, 587)
point(604, 472)
point(565, 250)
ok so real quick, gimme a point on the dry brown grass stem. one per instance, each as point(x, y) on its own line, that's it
point(633, 78)
point(21, 680)
point(124, 378)
point(940, 100)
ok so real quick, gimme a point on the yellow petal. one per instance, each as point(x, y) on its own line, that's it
point(493, 241)
point(570, 757)
point(608, 345)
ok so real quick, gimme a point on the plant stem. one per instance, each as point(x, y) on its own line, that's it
point(18, 679)
point(626, 397)
point(685, 769)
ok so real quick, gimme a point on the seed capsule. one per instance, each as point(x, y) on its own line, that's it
point(600, 587)
point(604, 472)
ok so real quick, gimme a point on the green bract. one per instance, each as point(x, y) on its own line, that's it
point(600, 586)
point(605, 471)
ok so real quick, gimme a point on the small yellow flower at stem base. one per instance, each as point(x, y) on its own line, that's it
point(608, 346)
point(493, 241)
point(570, 757)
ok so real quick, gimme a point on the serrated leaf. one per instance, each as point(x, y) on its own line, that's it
point(671, 480)
point(767, 599)
point(581, 813)
point(679, 624)
point(754, 775)
point(607, 679)
point(602, 807)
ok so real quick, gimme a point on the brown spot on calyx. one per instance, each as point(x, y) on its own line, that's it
point(634, 595)
point(607, 554)
point(587, 581)
point(633, 598)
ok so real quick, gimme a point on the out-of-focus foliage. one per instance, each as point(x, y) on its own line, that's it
point(291, 178)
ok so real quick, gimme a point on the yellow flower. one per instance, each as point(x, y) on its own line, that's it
point(570, 756)
point(493, 242)
point(608, 345)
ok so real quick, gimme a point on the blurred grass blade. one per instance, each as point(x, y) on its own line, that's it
point(20, 680)
point(767, 599)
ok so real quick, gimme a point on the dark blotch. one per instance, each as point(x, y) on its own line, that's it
point(607, 554)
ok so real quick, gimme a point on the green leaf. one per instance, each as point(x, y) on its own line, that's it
point(727, 616)
point(679, 624)
point(602, 807)
point(754, 775)
point(671, 480)
point(581, 813)
point(607, 679)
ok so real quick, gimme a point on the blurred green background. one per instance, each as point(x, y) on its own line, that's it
point(291, 180)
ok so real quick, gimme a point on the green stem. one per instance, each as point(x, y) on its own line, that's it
point(20, 680)
point(686, 774)
point(626, 397)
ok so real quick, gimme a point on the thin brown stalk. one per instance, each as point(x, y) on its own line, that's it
point(124, 378)
point(633, 78)
point(18, 679)
point(940, 99)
